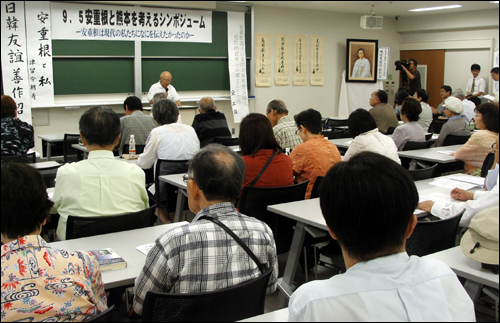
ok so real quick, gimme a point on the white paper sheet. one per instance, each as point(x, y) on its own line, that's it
point(451, 184)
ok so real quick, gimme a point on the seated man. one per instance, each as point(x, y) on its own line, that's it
point(199, 256)
point(101, 184)
point(444, 93)
point(371, 221)
point(40, 283)
point(135, 122)
point(283, 127)
point(383, 113)
point(210, 123)
point(455, 125)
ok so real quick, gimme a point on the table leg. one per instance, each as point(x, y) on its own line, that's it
point(179, 205)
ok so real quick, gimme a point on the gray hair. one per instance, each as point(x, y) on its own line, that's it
point(165, 111)
point(207, 103)
point(458, 93)
point(158, 96)
point(278, 106)
point(219, 172)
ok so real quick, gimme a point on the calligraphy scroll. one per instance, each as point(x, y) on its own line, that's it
point(14, 67)
point(299, 60)
point(317, 60)
point(282, 59)
point(383, 63)
point(262, 60)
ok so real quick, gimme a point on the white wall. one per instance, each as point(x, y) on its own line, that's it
point(457, 67)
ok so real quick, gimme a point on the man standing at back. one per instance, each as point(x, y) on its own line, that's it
point(383, 113)
point(283, 127)
point(210, 123)
point(200, 256)
point(164, 86)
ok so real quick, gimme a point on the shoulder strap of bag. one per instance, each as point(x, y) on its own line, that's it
point(262, 170)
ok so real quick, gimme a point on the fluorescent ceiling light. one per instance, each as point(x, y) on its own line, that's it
point(437, 8)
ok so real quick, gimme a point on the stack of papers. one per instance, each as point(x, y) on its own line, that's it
point(462, 182)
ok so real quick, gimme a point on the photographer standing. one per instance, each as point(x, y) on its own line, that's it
point(413, 77)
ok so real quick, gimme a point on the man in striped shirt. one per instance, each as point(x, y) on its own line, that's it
point(283, 127)
point(210, 123)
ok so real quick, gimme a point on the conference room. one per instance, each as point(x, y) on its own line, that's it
point(106, 71)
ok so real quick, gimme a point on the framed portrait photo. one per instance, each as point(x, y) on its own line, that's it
point(361, 60)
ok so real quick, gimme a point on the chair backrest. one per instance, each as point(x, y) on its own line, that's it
point(424, 173)
point(334, 123)
point(412, 145)
point(487, 164)
point(227, 141)
point(332, 134)
point(166, 167)
point(346, 134)
point(105, 316)
point(315, 189)
point(49, 175)
point(225, 305)
point(433, 236)
point(82, 226)
point(29, 158)
point(255, 200)
point(436, 125)
point(70, 153)
point(390, 130)
point(428, 136)
point(139, 149)
point(451, 140)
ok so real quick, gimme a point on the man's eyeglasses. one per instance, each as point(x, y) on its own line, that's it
point(186, 178)
point(494, 147)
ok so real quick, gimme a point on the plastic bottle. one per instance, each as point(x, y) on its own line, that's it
point(131, 147)
point(472, 125)
point(287, 151)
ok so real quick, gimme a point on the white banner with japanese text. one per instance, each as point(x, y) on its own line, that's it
point(262, 60)
point(106, 22)
point(317, 60)
point(299, 60)
point(237, 64)
point(14, 66)
point(383, 63)
point(282, 59)
point(38, 31)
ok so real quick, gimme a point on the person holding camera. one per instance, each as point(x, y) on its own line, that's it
point(413, 74)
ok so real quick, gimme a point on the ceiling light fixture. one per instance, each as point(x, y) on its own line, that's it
point(437, 8)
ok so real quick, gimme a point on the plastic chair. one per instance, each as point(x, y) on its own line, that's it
point(346, 134)
point(29, 158)
point(70, 154)
point(413, 145)
point(334, 123)
point(451, 140)
point(82, 226)
point(49, 175)
point(255, 200)
point(106, 316)
point(230, 304)
point(428, 136)
point(332, 134)
point(227, 141)
point(424, 173)
point(167, 167)
point(139, 149)
point(487, 164)
point(315, 189)
point(390, 130)
point(433, 236)
point(436, 125)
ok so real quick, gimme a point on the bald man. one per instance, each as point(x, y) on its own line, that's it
point(164, 86)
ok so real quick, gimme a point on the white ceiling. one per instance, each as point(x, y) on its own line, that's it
point(381, 8)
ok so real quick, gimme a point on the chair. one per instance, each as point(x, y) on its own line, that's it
point(451, 140)
point(230, 304)
point(433, 236)
point(428, 136)
point(487, 164)
point(254, 202)
point(424, 173)
point(70, 154)
point(436, 125)
point(413, 145)
point(334, 123)
point(390, 130)
point(29, 158)
point(106, 316)
point(49, 175)
point(167, 167)
point(82, 226)
point(332, 134)
point(227, 141)
point(346, 134)
point(139, 149)
point(315, 189)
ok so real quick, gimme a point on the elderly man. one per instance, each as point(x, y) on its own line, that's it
point(164, 86)
point(469, 106)
point(455, 125)
point(383, 113)
point(444, 92)
point(210, 123)
point(101, 184)
point(199, 256)
point(283, 127)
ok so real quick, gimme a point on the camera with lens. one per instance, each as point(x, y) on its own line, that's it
point(404, 63)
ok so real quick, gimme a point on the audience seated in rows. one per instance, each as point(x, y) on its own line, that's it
point(100, 185)
point(479, 144)
point(455, 125)
point(17, 136)
point(199, 256)
point(40, 283)
point(170, 141)
point(469, 106)
point(382, 283)
point(210, 123)
point(410, 130)
point(367, 137)
point(316, 155)
point(283, 127)
point(383, 113)
point(444, 92)
point(258, 146)
point(425, 117)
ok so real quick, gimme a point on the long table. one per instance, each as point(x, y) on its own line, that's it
point(50, 140)
point(177, 181)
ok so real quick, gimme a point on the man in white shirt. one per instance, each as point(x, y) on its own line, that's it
point(164, 86)
point(381, 283)
point(475, 85)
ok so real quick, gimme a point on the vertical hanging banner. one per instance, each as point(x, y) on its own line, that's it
point(39, 41)
point(282, 59)
point(14, 67)
point(383, 63)
point(299, 60)
point(262, 60)
point(237, 64)
point(317, 60)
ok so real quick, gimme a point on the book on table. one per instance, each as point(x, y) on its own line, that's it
point(108, 259)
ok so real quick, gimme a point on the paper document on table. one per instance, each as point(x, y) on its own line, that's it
point(451, 184)
point(145, 248)
point(349, 142)
point(446, 152)
point(446, 200)
point(478, 181)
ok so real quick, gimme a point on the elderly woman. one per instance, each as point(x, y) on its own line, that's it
point(367, 137)
point(410, 130)
point(40, 283)
point(170, 141)
point(17, 135)
point(479, 144)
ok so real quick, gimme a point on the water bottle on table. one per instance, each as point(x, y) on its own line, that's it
point(131, 147)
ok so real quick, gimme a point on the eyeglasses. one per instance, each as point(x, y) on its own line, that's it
point(493, 147)
point(297, 131)
point(186, 178)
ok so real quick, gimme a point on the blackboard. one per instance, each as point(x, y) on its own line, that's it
point(97, 66)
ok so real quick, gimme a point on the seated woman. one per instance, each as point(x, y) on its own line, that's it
point(315, 155)
point(17, 135)
point(170, 141)
point(258, 145)
point(40, 283)
point(367, 137)
point(479, 144)
point(410, 130)
point(455, 125)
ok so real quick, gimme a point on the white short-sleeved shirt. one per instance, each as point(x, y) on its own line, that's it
point(479, 85)
point(157, 88)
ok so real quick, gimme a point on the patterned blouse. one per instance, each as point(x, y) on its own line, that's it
point(44, 284)
point(17, 136)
